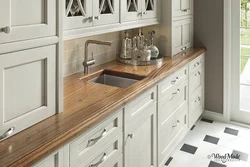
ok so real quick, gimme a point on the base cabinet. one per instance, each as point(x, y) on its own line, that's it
point(140, 131)
point(145, 131)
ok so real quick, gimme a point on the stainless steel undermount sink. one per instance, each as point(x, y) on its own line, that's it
point(116, 79)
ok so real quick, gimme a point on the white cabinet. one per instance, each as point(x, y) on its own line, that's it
point(196, 89)
point(28, 19)
point(86, 13)
point(53, 160)
point(27, 88)
point(177, 26)
point(140, 131)
point(172, 112)
point(101, 146)
point(133, 10)
point(182, 7)
point(182, 35)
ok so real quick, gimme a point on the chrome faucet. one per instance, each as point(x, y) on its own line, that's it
point(86, 63)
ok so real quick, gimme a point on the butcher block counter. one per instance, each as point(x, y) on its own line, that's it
point(85, 104)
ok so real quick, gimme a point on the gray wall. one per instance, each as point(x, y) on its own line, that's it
point(208, 32)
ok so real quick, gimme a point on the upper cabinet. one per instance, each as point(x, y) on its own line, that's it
point(29, 19)
point(92, 17)
point(182, 7)
point(139, 9)
point(85, 13)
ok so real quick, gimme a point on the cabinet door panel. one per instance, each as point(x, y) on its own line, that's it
point(140, 150)
point(149, 9)
point(187, 33)
point(30, 19)
point(131, 10)
point(4, 14)
point(27, 87)
point(182, 35)
point(78, 14)
point(106, 12)
point(182, 7)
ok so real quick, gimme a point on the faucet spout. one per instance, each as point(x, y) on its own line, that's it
point(86, 63)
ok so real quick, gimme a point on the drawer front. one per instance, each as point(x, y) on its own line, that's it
point(108, 156)
point(176, 98)
point(195, 115)
point(140, 109)
point(172, 81)
point(87, 145)
point(195, 80)
point(196, 64)
point(196, 99)
point(174, 126)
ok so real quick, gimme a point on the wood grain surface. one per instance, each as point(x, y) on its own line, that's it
point(85, 104)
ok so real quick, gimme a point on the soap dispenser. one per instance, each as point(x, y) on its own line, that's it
point(152, 47)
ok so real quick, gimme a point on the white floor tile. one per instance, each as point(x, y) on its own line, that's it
point(208, 150)
point(182, 159)
point(227, 143)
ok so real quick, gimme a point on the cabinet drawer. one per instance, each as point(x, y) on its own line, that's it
point(196, 99)
point(108, 156)
point(174, 99)
point(195, 80)
point(196, 63)
point(172, 81)
point(175, 125)
point(87, 145)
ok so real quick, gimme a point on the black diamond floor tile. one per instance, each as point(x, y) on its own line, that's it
point(231, 131)
point(211, 139)
point(189, 149)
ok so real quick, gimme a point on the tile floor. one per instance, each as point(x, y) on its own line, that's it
point(213, 144)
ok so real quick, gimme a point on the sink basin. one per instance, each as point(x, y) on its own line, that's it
point(116, 79)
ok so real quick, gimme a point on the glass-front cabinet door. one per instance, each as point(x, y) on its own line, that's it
point(149, 9)
point(78, 14)
point(131, 10)
point(182, 7)
point(27, 19)
point(105, 12)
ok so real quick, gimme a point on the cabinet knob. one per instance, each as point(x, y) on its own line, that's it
point(6, 30)
point(140, 13)
point(196, 64)
point(177, 124)
point(184, 48)
point(7, 133)
point(185, 10)
point(97, 17)
point(91, 18)
point(145, 13)
point(130, 136)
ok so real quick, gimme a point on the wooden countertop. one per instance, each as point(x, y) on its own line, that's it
point(85, 104)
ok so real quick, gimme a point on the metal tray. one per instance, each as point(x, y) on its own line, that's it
point(153, 61)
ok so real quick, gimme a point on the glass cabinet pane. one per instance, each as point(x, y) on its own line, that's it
point(149, 5)
point(132, 5)
point(75, 8)
point(106, 6)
